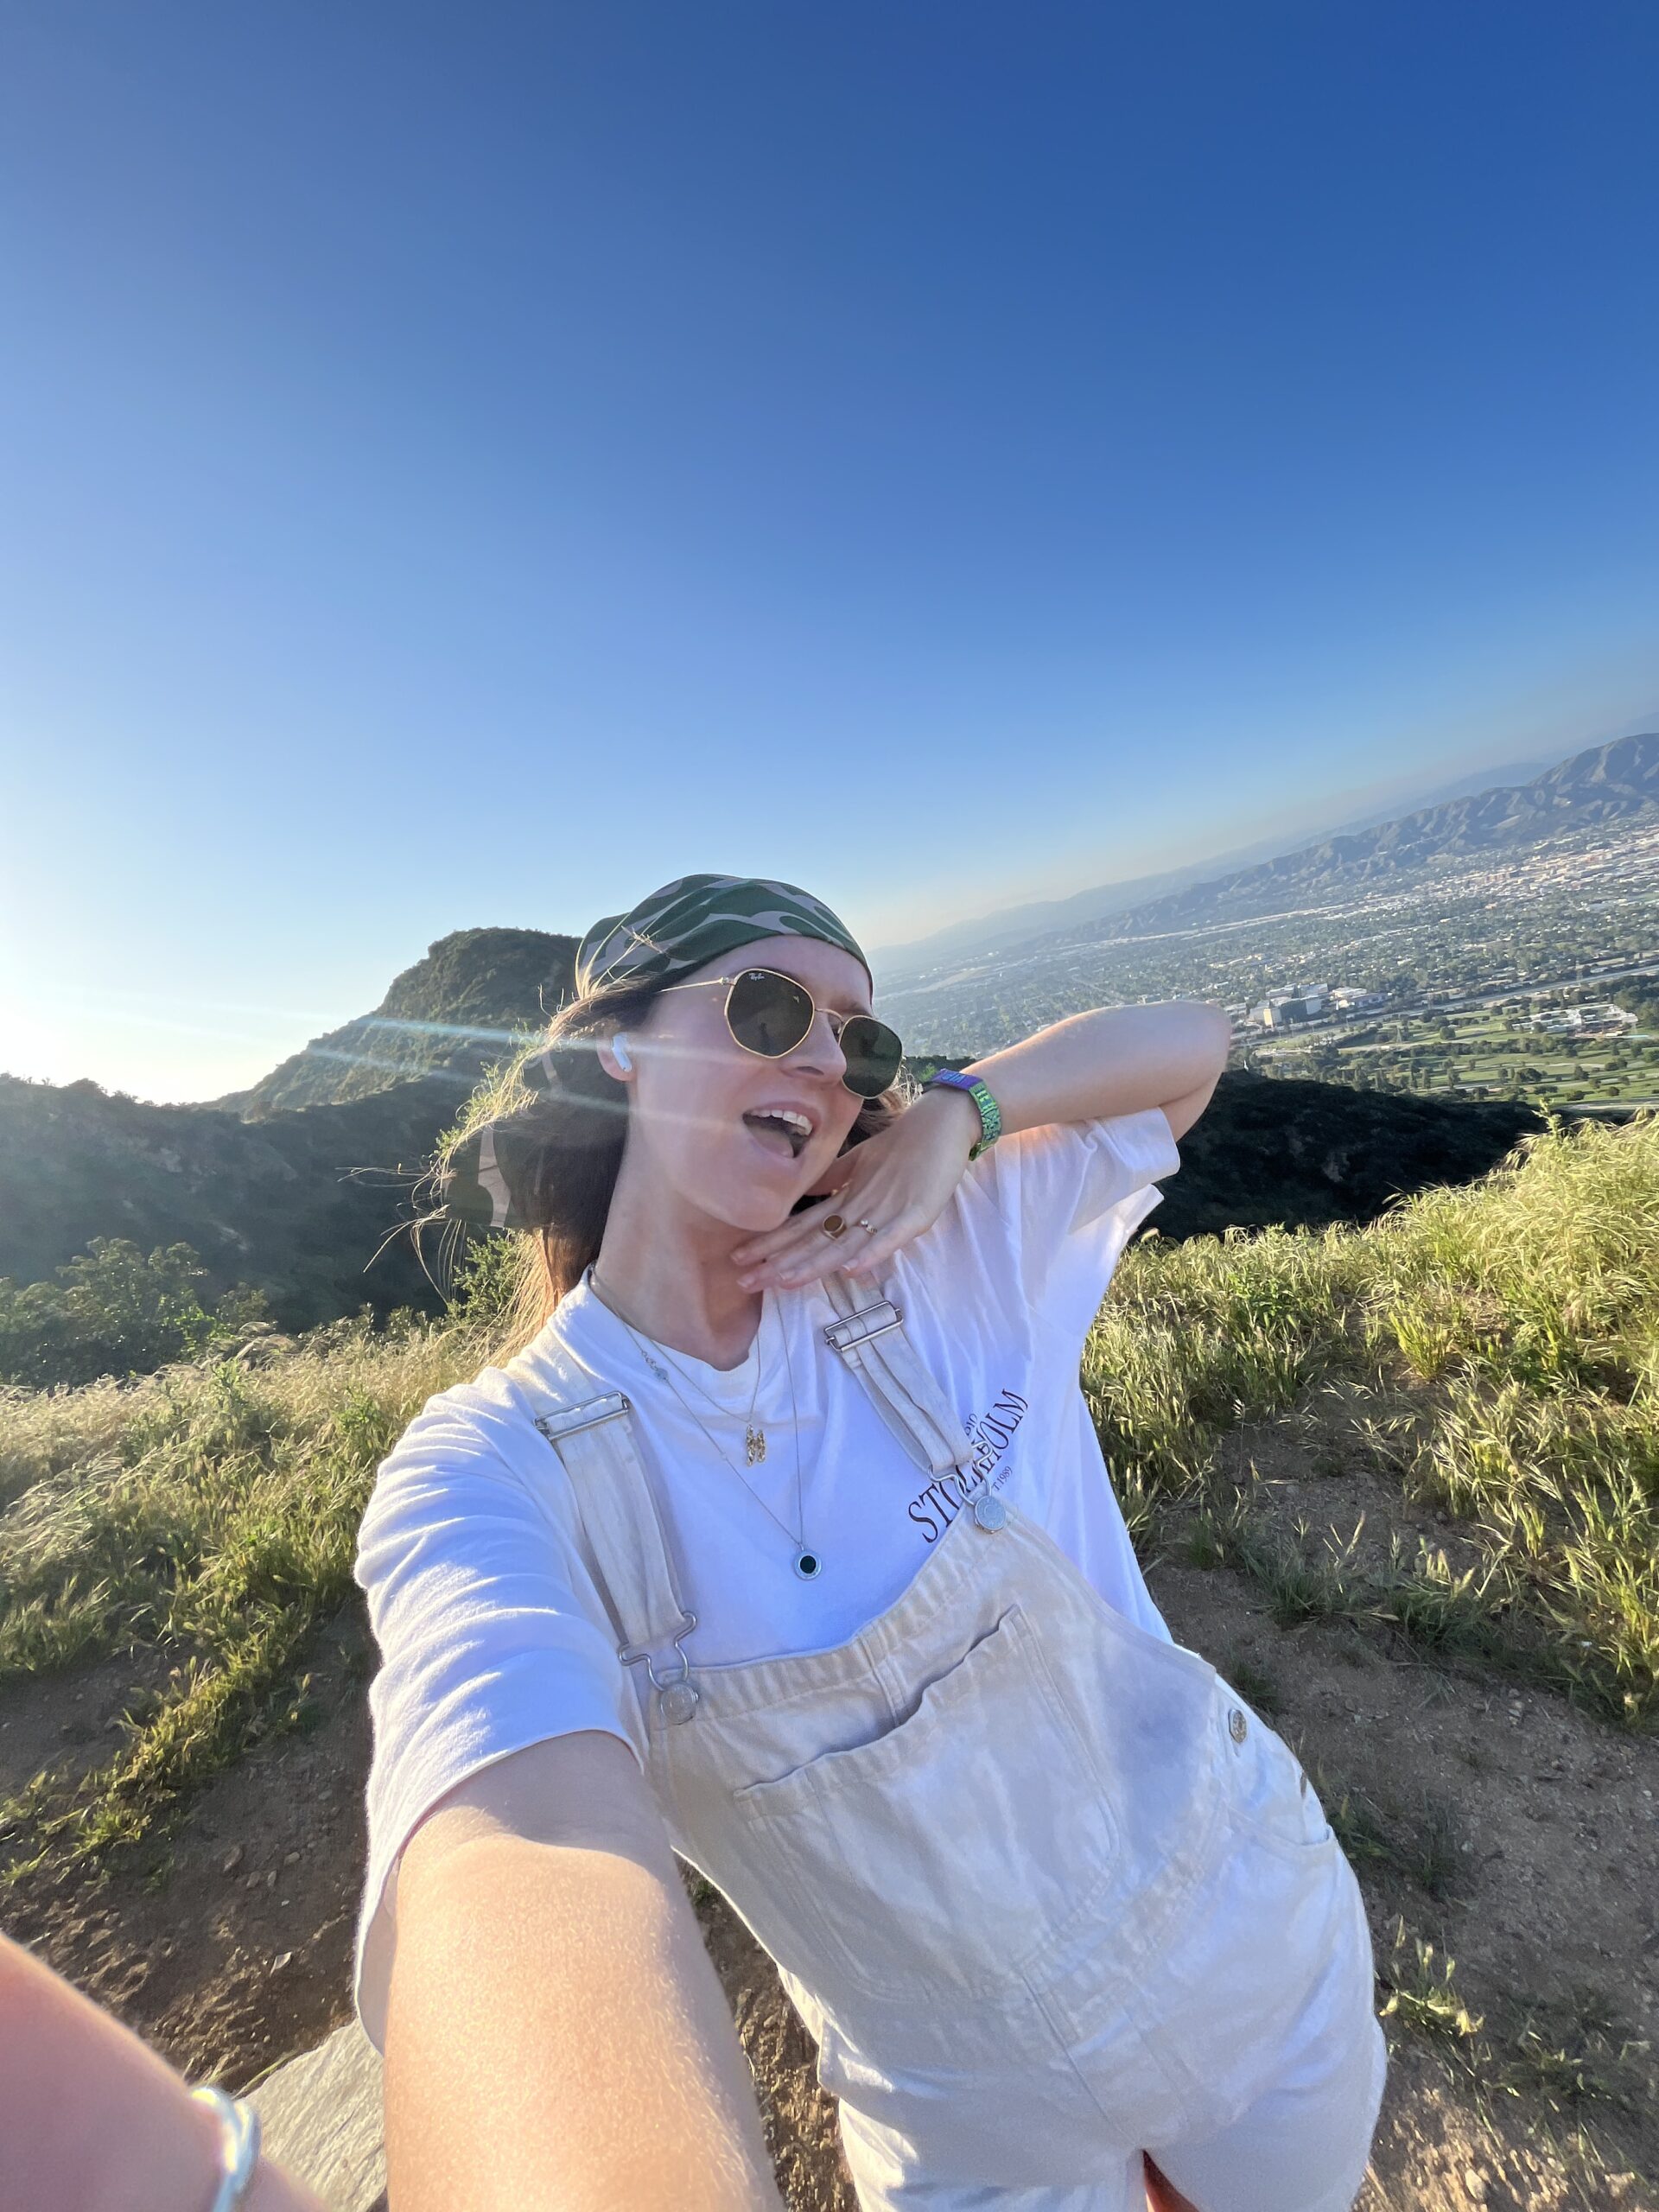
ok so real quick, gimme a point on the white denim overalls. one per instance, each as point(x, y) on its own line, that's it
point(1045, 1889)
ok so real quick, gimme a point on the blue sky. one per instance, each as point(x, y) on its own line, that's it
point(468, 466)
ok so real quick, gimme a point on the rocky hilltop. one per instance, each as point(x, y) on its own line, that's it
point(449, 1015)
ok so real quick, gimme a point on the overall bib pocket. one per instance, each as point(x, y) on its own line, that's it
point(944, 1858)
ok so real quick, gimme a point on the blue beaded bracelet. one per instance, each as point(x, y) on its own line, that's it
point(990, 1113)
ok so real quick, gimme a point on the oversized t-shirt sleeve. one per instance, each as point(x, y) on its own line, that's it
point(492, 1636)
point(1072, 1194)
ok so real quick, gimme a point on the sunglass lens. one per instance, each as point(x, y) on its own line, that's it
point(872, 1052)
point(768, 1014)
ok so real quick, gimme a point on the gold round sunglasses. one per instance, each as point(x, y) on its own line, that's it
point(770, 1014)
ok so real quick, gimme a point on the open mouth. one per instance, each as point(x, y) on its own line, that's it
point(780, 1128)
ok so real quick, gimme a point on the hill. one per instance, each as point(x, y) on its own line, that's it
point(450, 1015)
point(1395, 1481)
point(1616, 783)
point(296, 1205)
point(310, 1205)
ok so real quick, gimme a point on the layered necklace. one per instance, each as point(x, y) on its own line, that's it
point(808, 1560)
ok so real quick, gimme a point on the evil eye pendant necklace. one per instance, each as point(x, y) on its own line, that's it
point(808, 1560)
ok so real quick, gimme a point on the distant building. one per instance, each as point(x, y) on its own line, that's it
point(1285, 1012)
point(1583, 1021)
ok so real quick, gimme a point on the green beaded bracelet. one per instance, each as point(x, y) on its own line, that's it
point(990, 1113)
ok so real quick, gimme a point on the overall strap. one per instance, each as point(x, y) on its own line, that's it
point(618, 1503)
point(620, 1513)
point(870, 1337)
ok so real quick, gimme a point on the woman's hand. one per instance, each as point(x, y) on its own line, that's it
point(887, 1190)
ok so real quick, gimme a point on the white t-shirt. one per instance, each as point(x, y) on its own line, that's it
point(481, 1587)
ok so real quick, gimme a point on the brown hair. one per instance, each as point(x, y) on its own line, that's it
point(579, 1128)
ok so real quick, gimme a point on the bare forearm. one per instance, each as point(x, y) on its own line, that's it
point(556, 2035)
point(1114, 1060)
point(92, 2120)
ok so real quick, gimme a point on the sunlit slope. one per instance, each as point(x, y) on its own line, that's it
point(1485, 1358)
point(450, 1015)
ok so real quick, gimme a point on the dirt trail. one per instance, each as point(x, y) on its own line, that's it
point(1504, 1829)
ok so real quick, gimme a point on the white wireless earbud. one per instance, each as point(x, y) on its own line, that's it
point(620, 1053)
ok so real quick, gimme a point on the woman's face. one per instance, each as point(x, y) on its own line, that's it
point(700, 1108)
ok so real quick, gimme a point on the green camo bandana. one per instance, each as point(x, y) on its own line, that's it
point(491, 1181)
point(696, 918)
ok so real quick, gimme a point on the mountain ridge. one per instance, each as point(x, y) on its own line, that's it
point(1006, 929)
point(451, 1014)
point(1618, 781)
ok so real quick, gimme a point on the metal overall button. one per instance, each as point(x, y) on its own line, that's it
point(1237, 1725)
point(990, 1510)
point(678, 1702)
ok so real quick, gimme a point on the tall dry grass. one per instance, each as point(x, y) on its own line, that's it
point(207, 1514)
point(1495, 1347)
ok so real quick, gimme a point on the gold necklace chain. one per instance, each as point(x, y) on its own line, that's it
point(754, 1438)
point(808, 1561)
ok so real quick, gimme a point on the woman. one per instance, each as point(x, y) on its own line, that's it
point(786, 1541)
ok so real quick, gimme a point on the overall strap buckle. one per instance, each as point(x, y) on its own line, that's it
point(863, 1326)
point(624, 1525)
point(570, 1420)
point(677, 1694)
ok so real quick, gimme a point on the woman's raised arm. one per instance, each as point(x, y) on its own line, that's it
point(1119, 1059)
point(555, 2034)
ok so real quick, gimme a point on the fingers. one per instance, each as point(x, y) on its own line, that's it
point(758, 1250)
point(875, 1250)
point(788, 1233)
point(804, 1251)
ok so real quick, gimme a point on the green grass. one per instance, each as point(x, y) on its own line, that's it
point(206, 1516)
point(1491, 1353)
point(1493, 1349)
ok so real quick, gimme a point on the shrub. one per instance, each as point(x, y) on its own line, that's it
point(112, 1312)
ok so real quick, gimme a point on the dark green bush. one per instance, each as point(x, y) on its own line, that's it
point(112, 1312)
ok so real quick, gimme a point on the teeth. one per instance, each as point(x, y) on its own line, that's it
point(795, 1125)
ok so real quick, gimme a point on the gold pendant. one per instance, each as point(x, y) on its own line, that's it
point(754, 1444)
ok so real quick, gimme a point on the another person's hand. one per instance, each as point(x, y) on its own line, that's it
point(93, 2120)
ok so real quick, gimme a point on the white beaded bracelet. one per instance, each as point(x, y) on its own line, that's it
point(238, 2146)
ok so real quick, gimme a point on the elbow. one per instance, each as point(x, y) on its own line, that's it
point(1215, 1036)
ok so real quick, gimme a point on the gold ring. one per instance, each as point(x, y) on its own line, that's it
point(833, 1225)
point(868, 1226)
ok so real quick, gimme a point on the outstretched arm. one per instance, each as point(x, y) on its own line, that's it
point(555, 2034)
point(93, 2120)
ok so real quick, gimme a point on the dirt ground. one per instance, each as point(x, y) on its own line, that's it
point(1512, 1833)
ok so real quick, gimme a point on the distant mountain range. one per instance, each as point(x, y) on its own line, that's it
point(1070, 918)
point(1615, 783)
point(298, 1186)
